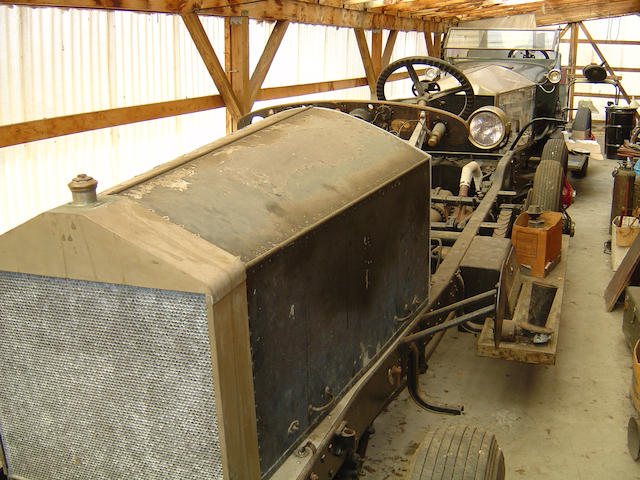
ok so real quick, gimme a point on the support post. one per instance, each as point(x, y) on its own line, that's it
point(236, 60)
point(573, 54)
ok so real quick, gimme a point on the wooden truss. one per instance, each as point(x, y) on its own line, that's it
point(239, 89)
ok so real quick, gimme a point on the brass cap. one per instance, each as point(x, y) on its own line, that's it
point(83, 190)
point(83, 183)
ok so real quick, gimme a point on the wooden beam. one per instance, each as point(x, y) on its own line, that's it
point(376, 51)
point(236, 62)
point(366, 59)
point(604, 60)
point(617, 69)
point(82, 122)
point(429, 41)
point(388, 48)
point(302, 12)
point(570, 12)
point(210, 59)
point(607, 42)
point(563, 31)
point(437, 44)
point(266, 59)
point(34, 130)
point(573, 53)
point(310, 88)
point(597, 95)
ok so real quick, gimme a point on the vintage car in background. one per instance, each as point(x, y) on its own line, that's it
point(247, 310)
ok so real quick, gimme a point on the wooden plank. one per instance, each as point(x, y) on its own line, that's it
point(266, 59)
point(376, 51)
point(388, 48)
point(604, 60)
point(366, 59)
point(82, 122)
point(623, 275)
point(523, 350)
point(211, 61)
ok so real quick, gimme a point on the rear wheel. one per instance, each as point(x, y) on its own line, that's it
point(556, 150)
point(459, 453)
point(547, 186)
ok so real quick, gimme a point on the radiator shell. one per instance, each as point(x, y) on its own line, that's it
point(306, 236)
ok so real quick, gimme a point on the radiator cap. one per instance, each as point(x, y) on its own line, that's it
point(83, 189)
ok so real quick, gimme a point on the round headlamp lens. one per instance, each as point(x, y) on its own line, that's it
point(486, 129)
point(554, 76)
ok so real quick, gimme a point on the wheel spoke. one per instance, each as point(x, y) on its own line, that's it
point(416, 81)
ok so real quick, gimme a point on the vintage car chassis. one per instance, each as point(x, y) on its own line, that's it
point(336, 446)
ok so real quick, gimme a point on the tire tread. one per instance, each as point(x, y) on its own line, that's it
point(458, 453)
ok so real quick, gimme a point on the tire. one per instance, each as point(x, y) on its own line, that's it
point(555, 149)
point(458, 453)
point(547, 186)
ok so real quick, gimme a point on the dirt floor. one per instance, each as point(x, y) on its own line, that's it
point(567, 421)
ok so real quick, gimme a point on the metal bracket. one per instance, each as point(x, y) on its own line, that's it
point(322, 408)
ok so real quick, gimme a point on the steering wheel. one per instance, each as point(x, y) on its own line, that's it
point(527, 53)
point(426, 94)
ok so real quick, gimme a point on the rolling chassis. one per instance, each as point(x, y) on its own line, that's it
point(336, 447)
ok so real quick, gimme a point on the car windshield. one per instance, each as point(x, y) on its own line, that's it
point(468, 43)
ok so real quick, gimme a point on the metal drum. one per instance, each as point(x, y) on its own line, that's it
point(618, 128)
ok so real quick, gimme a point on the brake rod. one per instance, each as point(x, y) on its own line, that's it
point(446, 325)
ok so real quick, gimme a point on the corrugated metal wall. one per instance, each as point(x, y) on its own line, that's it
point(58, 62)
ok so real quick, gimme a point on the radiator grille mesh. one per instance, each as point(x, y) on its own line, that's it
point(105, 381)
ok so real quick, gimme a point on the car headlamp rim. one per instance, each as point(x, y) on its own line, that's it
point(502, 127)
point(554, 75)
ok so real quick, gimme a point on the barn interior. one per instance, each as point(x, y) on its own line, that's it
point(231, 247)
